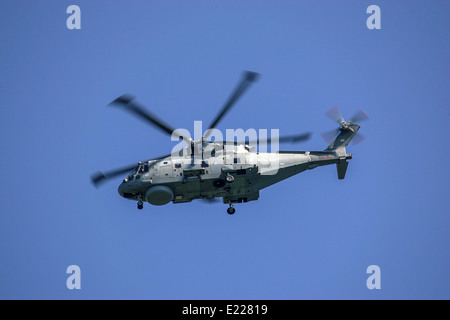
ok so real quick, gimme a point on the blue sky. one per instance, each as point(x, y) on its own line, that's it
point(309, 237)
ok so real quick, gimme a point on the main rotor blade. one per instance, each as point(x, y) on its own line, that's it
point(335, 114)
point(130, 104)
point(101, 176)
point(248, 78)
point(283, 139)
point(359, 116)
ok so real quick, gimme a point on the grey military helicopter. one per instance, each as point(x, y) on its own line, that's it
point(231, 170)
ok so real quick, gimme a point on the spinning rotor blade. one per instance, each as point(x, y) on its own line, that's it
point(329, 136)
point(130, 104)
point(100, 176)
point(335, 114)
point(249, 77)
point(358, 138)
point(284, 139)
point(295, 138)
point(359, 116)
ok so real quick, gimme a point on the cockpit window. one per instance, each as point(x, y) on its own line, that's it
point(142, 168)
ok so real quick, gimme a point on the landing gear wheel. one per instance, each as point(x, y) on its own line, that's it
point(140, 205)
point(231, 210)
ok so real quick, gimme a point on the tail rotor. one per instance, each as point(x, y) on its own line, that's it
point(335, 115)
point(339, 138)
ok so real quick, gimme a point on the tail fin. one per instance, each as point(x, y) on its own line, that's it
point(341, 168)
point(343, 139)
point(338, 147)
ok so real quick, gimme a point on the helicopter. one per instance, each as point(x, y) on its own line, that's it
point(235, 171)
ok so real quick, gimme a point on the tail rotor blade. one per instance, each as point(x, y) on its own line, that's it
point(359, 116)
point(358, 138)
point(329, 136)
point(335, 115)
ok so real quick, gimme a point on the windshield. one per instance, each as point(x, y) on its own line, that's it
point(142, 168)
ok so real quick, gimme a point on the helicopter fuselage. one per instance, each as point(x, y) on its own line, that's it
point(234, 173)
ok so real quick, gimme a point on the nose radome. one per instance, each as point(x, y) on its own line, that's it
point(122, 188)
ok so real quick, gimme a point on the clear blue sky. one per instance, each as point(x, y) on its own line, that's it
point(311, 236)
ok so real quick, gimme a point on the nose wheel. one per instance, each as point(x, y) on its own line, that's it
point(140, 203)
point(231, 210)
